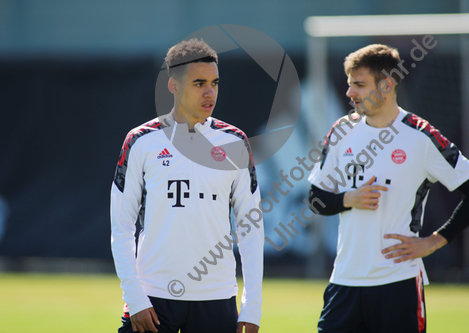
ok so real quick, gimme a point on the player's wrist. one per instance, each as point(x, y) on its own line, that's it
point(347, 201)
point(438, 240)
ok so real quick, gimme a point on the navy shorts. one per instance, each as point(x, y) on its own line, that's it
point(390, 308)
point(214, 316)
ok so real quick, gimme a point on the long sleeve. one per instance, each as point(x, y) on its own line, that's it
point(334, 202)
point(126, 195)
point(459, 220)
point(250, 233)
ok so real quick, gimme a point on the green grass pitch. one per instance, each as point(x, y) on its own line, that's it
point(59, 303)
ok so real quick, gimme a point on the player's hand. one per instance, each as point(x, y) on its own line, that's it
point(365, 197)
point(413, 247)
point(248, 327)
point(145, 321)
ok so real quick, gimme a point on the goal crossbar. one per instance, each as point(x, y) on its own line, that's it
point(386, 25)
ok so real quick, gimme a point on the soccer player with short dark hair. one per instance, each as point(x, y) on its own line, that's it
point(376, 170)
point(180, 175)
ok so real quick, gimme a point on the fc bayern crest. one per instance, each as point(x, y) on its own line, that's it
point(218, 154)
point(398, 156)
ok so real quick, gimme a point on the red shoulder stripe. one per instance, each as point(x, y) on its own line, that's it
point(222, 125)
point(137, 131)
point(422, 124)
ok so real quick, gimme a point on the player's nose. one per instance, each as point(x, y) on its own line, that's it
point(209, 91)
point(351, 92)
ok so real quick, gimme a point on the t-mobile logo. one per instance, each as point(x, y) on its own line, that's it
point(178, 191)
point(356, 168)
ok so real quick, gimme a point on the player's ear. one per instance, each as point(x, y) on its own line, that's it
point(390, 84)
point(385, 86)
point(173, 85)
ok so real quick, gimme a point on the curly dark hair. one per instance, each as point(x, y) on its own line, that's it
point(375, 57)
point(187, 52)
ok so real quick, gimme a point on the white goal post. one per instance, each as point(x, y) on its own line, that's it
point(320, 28)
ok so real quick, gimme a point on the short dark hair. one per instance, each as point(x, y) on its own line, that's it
point(375, 57)
point(187, 52)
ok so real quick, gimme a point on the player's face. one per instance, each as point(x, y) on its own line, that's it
point(200, 92)
point(362, 88)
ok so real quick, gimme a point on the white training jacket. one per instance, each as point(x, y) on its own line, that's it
point(181, 186)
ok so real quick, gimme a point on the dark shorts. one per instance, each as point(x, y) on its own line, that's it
point(191, 316)
point(397, 307)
